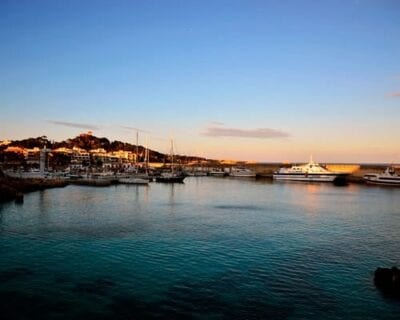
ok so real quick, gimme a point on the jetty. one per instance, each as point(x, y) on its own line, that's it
point(14, 188)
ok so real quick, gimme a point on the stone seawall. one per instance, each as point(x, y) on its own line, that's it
point(13, 188)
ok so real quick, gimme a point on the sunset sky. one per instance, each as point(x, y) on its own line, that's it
point(246, 80)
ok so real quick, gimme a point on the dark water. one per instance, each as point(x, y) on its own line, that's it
point(208, 249)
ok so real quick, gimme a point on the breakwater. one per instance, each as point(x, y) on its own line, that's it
point(14, 188)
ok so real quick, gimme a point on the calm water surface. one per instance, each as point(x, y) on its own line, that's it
point(207, 249)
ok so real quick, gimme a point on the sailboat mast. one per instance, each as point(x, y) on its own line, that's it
point(146, 154)
point(172, 156)
point(137, 147)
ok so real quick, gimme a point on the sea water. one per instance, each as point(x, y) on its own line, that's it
point(211, 248)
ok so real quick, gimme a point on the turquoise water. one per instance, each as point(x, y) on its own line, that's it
point(211, 248)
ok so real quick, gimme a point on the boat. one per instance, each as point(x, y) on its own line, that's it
point(310, 172)
point(196, 173)
point(136, 177)
point(217, 173)
point(134, 180)
point(388, 178)
point(240, 172)
point(32, 174)
point(172, 176)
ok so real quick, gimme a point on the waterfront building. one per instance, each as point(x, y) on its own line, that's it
point(79, 158)
point(63, 150)
point(32, 156)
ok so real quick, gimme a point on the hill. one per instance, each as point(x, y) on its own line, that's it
point(89, 142)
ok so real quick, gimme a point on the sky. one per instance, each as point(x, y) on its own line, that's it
point(271, 80)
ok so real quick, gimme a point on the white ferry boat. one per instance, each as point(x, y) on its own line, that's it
point(388, 178)
point(310, 172)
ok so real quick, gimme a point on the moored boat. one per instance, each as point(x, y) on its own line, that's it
point(239, 172)
point(216, 173)
point(134, 180)
point(388, 178)
point(310, 172)
point(172, 176)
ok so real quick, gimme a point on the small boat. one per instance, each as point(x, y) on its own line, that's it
point(134, 180)
point(196, 173)
point(32, 174)
point(388, 178)
point(217, 173)
point(242, 173)
point(310, 172)
point(92, 182)
point(171, 177)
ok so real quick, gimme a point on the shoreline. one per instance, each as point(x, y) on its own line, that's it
point(13, 189)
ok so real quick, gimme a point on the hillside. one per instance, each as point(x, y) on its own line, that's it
point(88, 142)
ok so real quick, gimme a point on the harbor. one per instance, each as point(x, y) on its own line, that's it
point(200, 160)
point(93, 161)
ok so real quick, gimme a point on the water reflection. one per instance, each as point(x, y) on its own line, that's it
point(211, 248)
point(311, 201)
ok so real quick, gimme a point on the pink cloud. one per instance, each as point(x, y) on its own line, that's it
point(74, 125)
point(260, 133)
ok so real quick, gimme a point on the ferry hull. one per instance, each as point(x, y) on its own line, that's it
point(306, 177)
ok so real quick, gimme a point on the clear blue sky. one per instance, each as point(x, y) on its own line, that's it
point(263, 80)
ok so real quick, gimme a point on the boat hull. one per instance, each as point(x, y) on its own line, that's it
point(170, 179)
point(382, 182)
point(216, 174)
point(306, 177)
point(141, 181)
point(243, 175)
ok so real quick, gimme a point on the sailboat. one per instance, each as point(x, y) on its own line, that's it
point(136, 178)
point(171, 176)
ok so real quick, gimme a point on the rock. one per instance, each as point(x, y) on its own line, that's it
point(19, 197)
point(7, 193)
point(388, 280)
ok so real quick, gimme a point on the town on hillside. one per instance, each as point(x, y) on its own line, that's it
point(83, 152)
